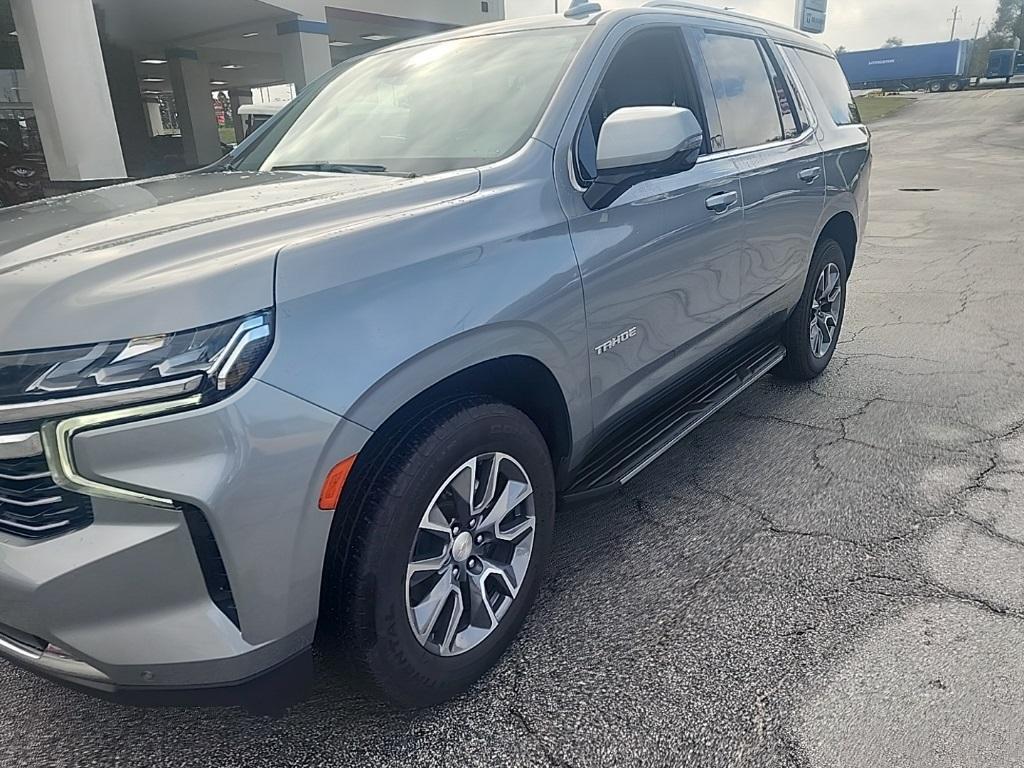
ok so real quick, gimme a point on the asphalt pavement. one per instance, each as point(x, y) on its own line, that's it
point(823, 575)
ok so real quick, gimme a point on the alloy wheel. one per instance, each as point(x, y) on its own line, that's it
point(826, 306)
point(471, 554)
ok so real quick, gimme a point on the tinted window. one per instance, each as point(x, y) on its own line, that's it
point(786, 102)
point(647, 71)
point(745, 95)
point(831, 83)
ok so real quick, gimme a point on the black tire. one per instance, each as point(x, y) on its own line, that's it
point(382, 656)
point(801, 363)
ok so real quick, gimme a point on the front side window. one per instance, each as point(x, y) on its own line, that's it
point(828, 78)
point(744, 93)
point(647, 71)
point(425, 109)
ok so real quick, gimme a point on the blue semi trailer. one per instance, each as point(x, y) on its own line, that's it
point(933, 67)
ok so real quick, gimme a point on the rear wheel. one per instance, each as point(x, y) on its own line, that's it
point(955, 85)
point(453, 534)
point(812, 332)
point(935, 86)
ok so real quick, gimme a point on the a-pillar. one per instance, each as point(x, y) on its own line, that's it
point(60, 45)
point(305, 50)
point(193, 98)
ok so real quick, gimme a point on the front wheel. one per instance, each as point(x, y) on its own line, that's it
point(454, 532)
point(812, 331)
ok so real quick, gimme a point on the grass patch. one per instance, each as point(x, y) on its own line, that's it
point(874, 107)
point(227, 134)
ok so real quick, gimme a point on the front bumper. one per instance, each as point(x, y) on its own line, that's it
point(125, 605)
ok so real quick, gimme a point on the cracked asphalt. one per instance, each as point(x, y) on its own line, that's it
point(823, 575)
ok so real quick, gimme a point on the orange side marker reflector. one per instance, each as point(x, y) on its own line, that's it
point(330, 494)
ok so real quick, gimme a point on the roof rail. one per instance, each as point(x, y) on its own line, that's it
point(579, 8)
point(688, 6)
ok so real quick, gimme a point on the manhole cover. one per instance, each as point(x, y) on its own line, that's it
point(919, 189)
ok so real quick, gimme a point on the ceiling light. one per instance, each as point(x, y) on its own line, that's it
point(13, 34)
point(338, 43)
point(378, 38)
point(251, 34)
point(232, 66)
point(152, 80)
point(153, 61)
point(218, 82)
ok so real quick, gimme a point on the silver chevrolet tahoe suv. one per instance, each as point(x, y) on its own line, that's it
point(332, 389)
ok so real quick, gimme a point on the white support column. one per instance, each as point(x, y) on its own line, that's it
point(70, 95)
point(193, 97)
point(305, 52)
point(154, 119)
point(238, 99)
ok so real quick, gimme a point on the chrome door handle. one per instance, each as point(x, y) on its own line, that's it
point(721, 202)
point(809, 175)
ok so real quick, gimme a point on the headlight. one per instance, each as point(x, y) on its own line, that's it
point(224, 355)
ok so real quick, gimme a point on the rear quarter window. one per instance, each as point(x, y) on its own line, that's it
point(827, 78)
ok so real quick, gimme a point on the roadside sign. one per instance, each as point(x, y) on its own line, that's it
point(810, 15)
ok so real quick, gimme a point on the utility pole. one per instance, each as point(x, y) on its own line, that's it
point(956, 17)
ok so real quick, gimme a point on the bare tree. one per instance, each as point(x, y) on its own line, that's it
point(893, 42)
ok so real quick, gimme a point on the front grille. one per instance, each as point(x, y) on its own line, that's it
point(33, 506)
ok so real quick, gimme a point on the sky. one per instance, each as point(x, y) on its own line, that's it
point(857, 24)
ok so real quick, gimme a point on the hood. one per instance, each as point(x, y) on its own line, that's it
point(176, 252)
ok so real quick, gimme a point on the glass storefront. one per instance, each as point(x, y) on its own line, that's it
point(22, 166)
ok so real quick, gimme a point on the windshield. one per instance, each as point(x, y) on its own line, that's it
point(426, 109)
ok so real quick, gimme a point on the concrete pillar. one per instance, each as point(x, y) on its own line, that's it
point(129, 112)
point(238, 98)
point(60, 45)
point(305, 52)
point(190, 80)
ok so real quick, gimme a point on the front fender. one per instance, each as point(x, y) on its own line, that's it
point(379, 312)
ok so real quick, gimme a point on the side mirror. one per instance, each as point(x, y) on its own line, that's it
point(641, 143)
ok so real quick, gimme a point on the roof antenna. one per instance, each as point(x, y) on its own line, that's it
point(581, 8)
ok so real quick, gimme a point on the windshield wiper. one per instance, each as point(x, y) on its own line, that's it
point(338, 168)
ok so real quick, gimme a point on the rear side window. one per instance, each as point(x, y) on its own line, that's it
point(746, 96)
point(831, 83)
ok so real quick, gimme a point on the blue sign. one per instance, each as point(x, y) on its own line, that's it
point(810, 15)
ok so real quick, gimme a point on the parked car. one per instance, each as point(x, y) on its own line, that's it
point(332, 388)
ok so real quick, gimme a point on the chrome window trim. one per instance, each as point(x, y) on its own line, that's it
point(57, 437)
point(20, 446)
point(64, 406)
point(804, 135)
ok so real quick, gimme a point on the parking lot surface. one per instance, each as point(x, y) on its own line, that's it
point(828, 574)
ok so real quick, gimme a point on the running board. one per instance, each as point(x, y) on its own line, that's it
point(630, 451)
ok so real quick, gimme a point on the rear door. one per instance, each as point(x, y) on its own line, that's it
point(660, 265)
point(766, 127)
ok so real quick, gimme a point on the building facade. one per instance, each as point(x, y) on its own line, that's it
point(94, 91)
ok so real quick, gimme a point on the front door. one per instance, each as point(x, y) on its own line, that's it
point(660, 266)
